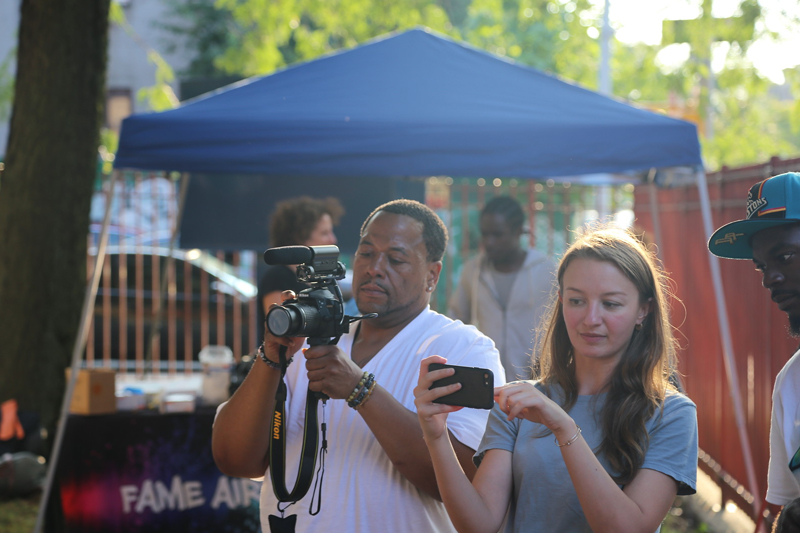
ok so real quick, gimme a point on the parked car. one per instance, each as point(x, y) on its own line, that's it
point(205, 301)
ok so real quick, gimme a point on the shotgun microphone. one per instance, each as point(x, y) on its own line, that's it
point(288, 255)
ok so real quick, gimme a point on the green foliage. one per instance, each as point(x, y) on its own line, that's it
point(160, 95)
point(750, 126)
point(206, 30)
point(109, 142)
point(255, 37)
point(548, 35)
point(638, 77)
point(6, 84)
point(278, 33)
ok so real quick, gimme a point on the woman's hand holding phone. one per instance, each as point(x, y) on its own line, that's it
point(521, 399)
point(433, 416)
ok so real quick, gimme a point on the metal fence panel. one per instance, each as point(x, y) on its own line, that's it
point(761, 344)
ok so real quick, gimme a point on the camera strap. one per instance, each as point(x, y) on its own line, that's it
point(277, 450)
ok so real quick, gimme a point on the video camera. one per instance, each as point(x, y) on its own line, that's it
point(316, 312)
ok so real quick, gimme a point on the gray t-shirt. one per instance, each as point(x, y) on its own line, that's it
point(503, 282)
point(544, 499)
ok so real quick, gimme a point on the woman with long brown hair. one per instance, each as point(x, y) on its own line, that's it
point(600, 440)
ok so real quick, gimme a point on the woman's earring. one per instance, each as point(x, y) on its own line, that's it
point(638, 326)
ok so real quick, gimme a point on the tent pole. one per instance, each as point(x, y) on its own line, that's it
point(77, 353)
point(654, 208)
point(727, 347)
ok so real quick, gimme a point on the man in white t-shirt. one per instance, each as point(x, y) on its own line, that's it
point(770, 236)
point(378, 474)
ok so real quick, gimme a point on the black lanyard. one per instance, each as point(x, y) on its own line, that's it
point(277, 451)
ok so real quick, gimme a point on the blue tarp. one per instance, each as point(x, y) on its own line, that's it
point(411, 104)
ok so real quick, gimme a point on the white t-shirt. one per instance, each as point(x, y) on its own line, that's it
point(783, 485)
point(362, 491)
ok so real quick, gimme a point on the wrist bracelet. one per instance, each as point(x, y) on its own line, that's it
point(369, 393)
point(570, 441)
point(363, 391)
point(361, 383)
point(270, 363)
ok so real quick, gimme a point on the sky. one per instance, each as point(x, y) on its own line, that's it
point(640, 21)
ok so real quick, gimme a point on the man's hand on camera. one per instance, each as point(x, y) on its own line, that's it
point(330, 371)
point(272, 343)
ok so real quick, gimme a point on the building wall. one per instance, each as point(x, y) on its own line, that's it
point(129, 69)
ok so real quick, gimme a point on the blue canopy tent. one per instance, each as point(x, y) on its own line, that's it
point(418, 104)
point(412, 104)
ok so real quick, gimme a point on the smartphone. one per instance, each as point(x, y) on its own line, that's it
point(477, 386)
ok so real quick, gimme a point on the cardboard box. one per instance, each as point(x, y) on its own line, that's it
point(94, 392)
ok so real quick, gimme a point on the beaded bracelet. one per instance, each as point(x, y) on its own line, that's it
point(362, 392)
point(270, 363)
point(369, 393)
point(362, 396)
point(570, 441)
point(361, 383)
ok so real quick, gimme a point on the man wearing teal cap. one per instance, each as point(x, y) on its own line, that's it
point(770, 236)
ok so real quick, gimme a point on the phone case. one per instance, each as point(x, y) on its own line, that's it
point(477, 386)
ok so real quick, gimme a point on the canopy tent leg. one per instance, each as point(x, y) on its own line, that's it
point(654, 209)
point(77, 352)
point(727, 347)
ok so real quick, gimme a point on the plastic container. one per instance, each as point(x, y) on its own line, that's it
point(177, 403)
point(131, 399)
point(216, 362)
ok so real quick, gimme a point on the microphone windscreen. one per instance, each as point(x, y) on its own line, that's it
point(288, 255)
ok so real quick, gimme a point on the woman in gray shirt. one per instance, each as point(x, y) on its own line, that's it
point(600, 441)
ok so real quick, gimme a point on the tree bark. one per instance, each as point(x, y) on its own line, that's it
point(45, 195)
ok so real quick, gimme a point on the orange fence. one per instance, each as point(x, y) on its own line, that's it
point(760, 342)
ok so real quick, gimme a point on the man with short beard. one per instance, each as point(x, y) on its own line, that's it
point(378, 474)
point(770, 236)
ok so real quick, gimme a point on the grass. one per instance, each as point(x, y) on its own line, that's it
point(19, 515)
point(680, 520)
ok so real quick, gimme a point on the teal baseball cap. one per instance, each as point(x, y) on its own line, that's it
point(772, 202)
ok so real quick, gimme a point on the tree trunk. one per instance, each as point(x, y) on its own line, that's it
point(45, 196)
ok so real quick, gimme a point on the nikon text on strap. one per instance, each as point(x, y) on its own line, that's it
point(277, 449)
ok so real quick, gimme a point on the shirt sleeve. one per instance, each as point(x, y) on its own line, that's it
point(500, 434)
point(672, 449)
point(468, 425)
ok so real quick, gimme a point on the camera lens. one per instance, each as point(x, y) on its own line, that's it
point(293, 320)
point(280, 321)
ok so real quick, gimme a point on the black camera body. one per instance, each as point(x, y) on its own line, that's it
point(316, 312)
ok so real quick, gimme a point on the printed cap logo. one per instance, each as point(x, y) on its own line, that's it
point(754, 205)
point(729, 238)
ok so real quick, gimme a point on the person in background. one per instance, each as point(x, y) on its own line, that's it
point(503, 290)
point(296, 221)
point(770, 236)
point(378, 474)
point(600, 441)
